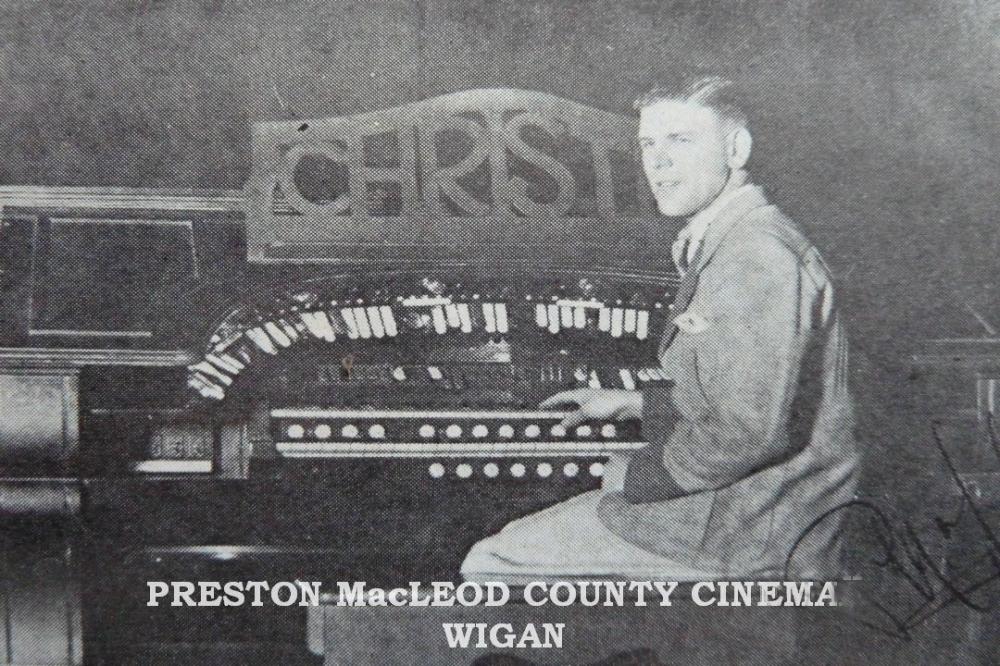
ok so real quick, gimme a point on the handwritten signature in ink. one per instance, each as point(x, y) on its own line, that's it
point(902, 552)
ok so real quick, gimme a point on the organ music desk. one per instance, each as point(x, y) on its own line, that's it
point(332, 374)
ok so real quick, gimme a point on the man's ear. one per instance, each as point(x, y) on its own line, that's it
point(738, 146)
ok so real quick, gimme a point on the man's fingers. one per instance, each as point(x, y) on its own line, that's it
point(561, 398)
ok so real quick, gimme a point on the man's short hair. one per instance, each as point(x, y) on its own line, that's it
point(712, 92)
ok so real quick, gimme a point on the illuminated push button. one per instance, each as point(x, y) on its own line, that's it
point(558, 430)
point(349, 431)
point(584, 431)
point(426, 431)
point(479, 431)
point(544, 470)
point(532, 431)
point(491, 470)
point(506, 431)
point(571, 469)
point(597, 469)
point(608, 430)
point(517, 470)
point(399, 374)
point(323, 431)
point(464, 471)
point(376, 431)
point(295, 431)
point(454, 431)
point(436, 470)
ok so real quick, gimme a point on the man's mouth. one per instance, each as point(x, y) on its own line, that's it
point(667, 184)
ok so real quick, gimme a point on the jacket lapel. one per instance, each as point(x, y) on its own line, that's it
point(733, 212)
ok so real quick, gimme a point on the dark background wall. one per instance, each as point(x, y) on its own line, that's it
point(875, 123)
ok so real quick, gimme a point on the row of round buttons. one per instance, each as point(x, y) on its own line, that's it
point(517, 470)
point(453, 431)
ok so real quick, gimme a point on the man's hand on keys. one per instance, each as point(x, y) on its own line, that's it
point(596, 405)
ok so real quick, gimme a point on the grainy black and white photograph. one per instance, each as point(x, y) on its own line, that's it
point(499, 332)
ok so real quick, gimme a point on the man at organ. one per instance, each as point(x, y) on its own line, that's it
point(753, 440)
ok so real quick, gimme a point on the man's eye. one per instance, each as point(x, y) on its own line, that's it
point(683, 139)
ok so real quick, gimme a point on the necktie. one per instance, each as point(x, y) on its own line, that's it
point(680, 250)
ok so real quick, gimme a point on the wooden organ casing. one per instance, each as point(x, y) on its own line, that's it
point(331, 374)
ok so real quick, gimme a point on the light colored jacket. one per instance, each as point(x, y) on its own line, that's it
point(756, 435)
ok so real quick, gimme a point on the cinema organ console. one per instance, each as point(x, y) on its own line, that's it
point(332, 375)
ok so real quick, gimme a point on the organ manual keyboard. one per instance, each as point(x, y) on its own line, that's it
point(334, 374)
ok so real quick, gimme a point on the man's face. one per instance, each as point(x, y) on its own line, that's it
point(683, 155)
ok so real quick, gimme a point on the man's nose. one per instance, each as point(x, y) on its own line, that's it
point(661, 159)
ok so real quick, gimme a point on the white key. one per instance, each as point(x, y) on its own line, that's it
point(307, 319)
point(553, 313)
point(616, 322)
point(629, 323)
point(222, 364)
point(289, 330)
point(352, 326)
point(388, 320)
point(361, 320)
point(579, 317)
point(324, 322)
point(437, 315)
point(465, 317)
point(434, 372)
point(501, 312)
point(206, 389)
point(566, 316)
point(489, 321)
point(642, 324)
point(277, 334)
point(235, 362)
point(594, 381)
point(261, 339)
point(628, 383)
point(375, 319)
point(209, 369)
point(604, 319)
point(451, 314)
point(541, 318)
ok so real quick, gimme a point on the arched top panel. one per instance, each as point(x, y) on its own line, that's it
point(481, 173)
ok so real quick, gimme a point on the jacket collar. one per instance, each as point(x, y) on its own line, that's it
point(736, 208)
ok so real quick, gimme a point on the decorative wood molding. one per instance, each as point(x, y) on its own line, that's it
point(35, 357)
point(120, 198)
point(472, 170)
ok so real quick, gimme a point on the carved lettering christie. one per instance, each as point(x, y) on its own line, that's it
point(483, 166)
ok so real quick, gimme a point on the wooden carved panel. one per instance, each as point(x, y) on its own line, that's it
point(477, 169)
